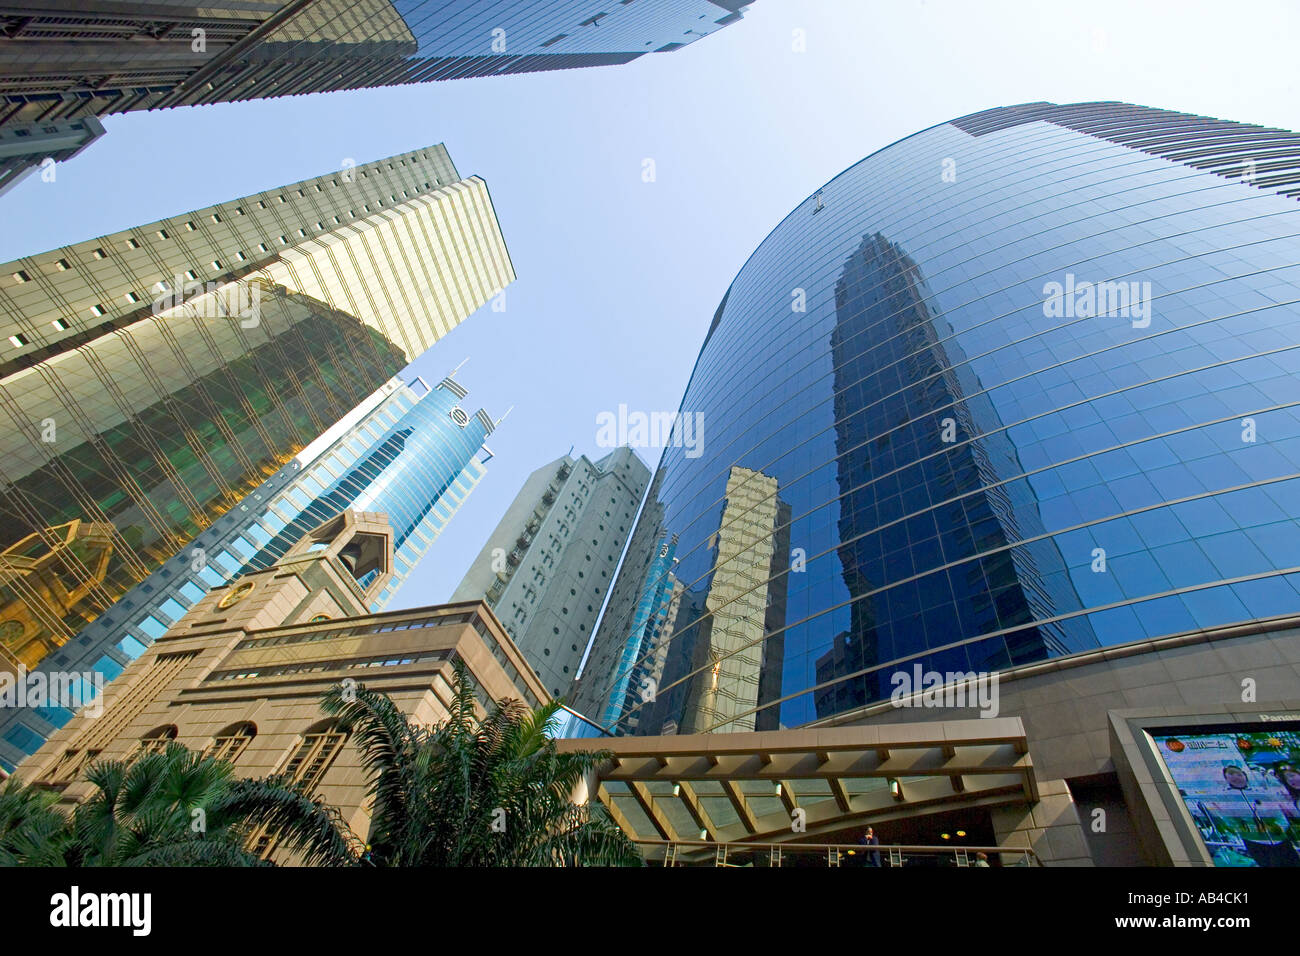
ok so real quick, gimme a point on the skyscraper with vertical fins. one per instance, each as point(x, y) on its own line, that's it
point(155, 377)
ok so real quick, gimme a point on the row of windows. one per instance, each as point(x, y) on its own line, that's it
point(379, 627)
point(314, 667)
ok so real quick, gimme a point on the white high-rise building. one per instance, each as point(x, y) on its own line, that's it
point(548, 565)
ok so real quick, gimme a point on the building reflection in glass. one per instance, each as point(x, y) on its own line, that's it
point(906, 407)
point(96, 495)
point(967, 476)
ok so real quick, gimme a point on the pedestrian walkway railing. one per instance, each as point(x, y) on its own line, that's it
point(709, 853)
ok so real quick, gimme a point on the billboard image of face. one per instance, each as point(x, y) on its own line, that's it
point(1242, 789)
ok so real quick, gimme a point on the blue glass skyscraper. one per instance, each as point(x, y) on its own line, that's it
point(101, 57)
point(1027, 383)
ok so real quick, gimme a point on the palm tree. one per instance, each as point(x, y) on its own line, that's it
point(468, 792)
point(32, 832)
point(174, 807)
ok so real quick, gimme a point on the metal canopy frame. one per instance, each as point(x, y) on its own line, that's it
point(744, 787)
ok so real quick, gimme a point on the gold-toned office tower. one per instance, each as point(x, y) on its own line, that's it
point(155, 376)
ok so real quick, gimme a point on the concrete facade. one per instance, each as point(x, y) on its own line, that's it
point(548, 564)
point(1077, 713)
point(258, 654)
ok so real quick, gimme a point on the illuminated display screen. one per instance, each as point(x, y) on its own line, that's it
point(1241, 787)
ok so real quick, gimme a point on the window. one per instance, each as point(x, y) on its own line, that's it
point(20, 277)
point(231, 742)
point(162, 233)
point(70, 765)
point(60, 324)
point(132, 297)
point(319, 748)
point(97, 310)
point(156, 741)
point(100, 254)
point(18, 341)
point(62, 265)
point(133, 243)
point(127, 704)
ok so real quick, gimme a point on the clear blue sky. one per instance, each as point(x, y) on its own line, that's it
point(619, 278)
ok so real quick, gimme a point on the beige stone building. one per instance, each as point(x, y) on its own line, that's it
point(241, 675)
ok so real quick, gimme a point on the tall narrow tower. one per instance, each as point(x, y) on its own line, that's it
point(157, 376)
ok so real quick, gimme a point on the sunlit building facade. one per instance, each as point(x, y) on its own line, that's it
point(156, 377)
point(410, 452)
point(241, 675)
point(547, 566)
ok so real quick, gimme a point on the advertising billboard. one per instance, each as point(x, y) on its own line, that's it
point(1241, 785)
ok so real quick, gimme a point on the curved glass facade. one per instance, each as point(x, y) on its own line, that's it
point(1017, 386)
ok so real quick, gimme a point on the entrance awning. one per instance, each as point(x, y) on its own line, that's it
point(748, 786)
